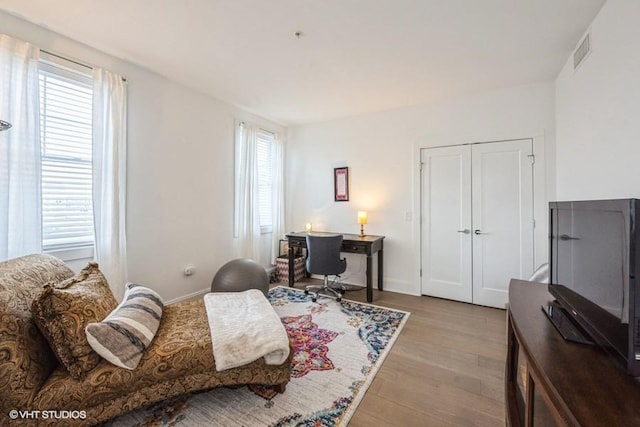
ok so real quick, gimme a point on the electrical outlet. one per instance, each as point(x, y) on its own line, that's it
point(408, 216)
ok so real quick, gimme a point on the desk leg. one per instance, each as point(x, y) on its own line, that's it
point(369, 280)
point(380, 269)
point(291, 266)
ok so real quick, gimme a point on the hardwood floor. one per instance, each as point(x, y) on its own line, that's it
point(445, 369)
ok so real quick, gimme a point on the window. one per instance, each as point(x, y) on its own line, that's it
point(66, 98)
point(264, 160)
point(258, 192)
point(257, 182)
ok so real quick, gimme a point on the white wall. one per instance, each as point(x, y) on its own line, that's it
point(598, 110)
point(381, 151)
point(180, 170)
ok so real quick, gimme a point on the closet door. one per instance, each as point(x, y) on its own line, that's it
point(446, 222)
point(477, 220)
point(502, 176)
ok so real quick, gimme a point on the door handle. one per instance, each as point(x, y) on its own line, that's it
point(567, 237)
point(478, 232)
point(464, 231)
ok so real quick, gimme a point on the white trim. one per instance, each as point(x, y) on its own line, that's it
point(193, 295)
point(540, 202)
point(71, 254)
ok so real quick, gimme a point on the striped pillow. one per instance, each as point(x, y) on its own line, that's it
point(123, 336)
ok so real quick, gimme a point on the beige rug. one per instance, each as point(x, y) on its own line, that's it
point(338, 349)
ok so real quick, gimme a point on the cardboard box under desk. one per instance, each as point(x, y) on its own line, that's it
point(282, 266)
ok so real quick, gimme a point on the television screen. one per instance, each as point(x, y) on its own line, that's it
point(593, 262)
point(590, 253)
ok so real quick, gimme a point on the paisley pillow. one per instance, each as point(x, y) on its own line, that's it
point(63, 310)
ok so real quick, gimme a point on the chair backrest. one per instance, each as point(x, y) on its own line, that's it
point(27, 360)
point(324, 255)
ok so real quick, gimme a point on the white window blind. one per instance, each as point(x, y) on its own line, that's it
point(265, 141)
point(66, 135)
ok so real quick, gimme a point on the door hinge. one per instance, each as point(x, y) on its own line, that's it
point(534, 223)
point(421, 273)
point(421, 166)
point(532, 157)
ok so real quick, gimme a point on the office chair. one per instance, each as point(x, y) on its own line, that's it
point(323, 257)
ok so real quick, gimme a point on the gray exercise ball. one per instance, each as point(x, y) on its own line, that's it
point(240, 275)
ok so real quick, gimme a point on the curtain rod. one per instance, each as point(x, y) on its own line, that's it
point(72, 60)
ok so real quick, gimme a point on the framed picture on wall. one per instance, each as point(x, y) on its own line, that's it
point(341, 184)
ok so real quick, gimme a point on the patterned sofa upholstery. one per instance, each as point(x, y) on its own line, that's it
point(179, 360)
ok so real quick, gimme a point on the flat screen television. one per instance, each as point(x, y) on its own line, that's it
point(594, 258)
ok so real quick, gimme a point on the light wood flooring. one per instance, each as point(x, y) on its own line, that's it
point(445, 369)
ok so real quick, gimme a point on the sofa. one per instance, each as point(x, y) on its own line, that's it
point(178, 360)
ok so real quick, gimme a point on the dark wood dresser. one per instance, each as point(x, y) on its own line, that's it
point(552, 382)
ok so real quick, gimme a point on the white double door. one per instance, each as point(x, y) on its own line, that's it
point(477, 220)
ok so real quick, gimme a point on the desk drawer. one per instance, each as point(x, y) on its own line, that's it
point(354, 248)
point(297, 243)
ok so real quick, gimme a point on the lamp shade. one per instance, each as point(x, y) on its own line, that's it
point(362, 217)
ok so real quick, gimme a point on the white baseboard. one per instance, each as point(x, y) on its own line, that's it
point(193, 295)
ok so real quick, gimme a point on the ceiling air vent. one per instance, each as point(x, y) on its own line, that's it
point(582, 51)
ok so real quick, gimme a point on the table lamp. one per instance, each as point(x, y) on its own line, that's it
point(362, 220)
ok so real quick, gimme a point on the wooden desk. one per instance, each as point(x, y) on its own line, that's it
point(552, 382)
point(351, 243)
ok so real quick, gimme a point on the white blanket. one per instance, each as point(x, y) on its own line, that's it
point(245, 327)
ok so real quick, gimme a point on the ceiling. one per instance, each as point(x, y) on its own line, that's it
point(353, 57)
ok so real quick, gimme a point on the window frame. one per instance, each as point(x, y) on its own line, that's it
point(268, 138)
point(82, 75)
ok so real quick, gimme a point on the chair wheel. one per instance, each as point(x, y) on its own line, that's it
point(306, 292)
point(314, 299)
point(338, 299)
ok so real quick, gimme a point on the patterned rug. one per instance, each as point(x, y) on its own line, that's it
point(338, 349)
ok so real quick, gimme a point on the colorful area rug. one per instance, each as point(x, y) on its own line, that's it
point(338, 349)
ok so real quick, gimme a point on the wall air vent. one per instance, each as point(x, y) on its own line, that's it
point(583, 50)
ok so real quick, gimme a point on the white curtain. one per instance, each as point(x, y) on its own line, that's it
point(277, 156)
point(20, 169)
point(246, 214)
point(109, 176)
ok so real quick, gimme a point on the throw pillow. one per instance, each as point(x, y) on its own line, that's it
point(63, 310)
point(125, 334)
